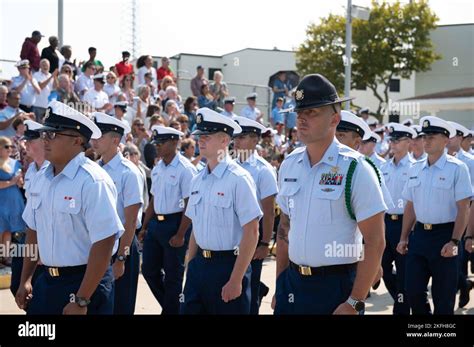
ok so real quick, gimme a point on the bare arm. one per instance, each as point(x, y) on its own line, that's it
point(23, 295)
point(131, 213)
point(409, 219)
point(282, 257)
point(268, 208)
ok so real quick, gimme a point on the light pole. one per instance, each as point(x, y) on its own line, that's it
point(60, 22)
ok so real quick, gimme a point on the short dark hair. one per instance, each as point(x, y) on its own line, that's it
point(91, 49)
point(16, 123)
point(88, 65)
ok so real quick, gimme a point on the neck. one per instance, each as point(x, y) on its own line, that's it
point(454, 150)
point(213, 161)
point(109, 155)
point(433, 158)
point(169, 158)
point(39, 162)
point(317, 149)
point(244, 154)
point(58, 167)
point(399, 156)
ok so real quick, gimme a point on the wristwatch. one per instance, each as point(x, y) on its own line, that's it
point(82, 302)
point(455, 241)
point(359, 306)
point(262, 243)
point(121, 257)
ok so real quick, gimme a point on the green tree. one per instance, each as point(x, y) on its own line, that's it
point(393, 42)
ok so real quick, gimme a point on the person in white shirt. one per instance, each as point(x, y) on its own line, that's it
point(96, 97)
point(47, 82)
point(148, 67)
point(85, 81)
point(26, 85)
point(112, 90)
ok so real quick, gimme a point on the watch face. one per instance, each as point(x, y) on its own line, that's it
point(359, 306)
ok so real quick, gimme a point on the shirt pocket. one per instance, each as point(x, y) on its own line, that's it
point(67, 210)
point(193, 205)
point(221, 210)
point(325, 204)
point(443, 188)
point(289, 193)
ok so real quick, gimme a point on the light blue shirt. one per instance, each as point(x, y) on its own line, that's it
point(30, 174)
point(434, 190)
point(263, 174)
point(220, 204)
point(421, 158)
point(382, 146)
point(277, 116)
point(467, 159)
point(170, 184)
point(7, 113)
point(71, 211)
point(250, 113)
point(228, 114)
point(314, 200)
point(396, 176)
point(129, 184)
point(377, 159)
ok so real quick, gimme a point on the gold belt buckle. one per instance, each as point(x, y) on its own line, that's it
point(53, 271)
point(394, 217)
point(160, 217)
point(206, 253)
point(305, 270)
point(428, 226)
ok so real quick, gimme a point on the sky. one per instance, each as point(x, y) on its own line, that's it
point(166, 28)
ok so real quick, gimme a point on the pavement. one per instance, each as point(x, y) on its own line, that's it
point(379, 302)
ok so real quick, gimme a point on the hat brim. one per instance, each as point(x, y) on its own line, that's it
point(200, 132)
point(47, 128)
point(319, 104)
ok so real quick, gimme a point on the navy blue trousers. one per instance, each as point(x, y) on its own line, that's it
point(319, 294)
point(203, 289)
point(423, 261)
point(395, 283)
point(163, 265)
point(52, 294)
point(126, 286)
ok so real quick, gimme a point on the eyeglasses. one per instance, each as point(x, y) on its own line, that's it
point(398, 140)
point(110, 77)
point(67, 71)
point(8, 146)
point(51, 135)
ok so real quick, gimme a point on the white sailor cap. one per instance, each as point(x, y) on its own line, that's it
point(31, 130)
point(350, 122)
point(417, 129)
point(60, 117)
point(229, 100)
point(249, 126)
point(99, 77)
point(252, 96)
point(121, 104)
point(408, 122)
point(364, 110)
point(162, 134)
point(22, 63)
point(397, 130)
point(374, 137)
point(372, 121)
point(107, 123)
point(435, 125)
point(210, 122)
point(461, 130)
point(380, 129)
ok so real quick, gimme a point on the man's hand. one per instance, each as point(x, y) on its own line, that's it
point(118, 269)
point(73, 308)
point(402, 247)
point(468, 245)
point(273, 302)
point(142, 234)
point(232, 290)
point(176, 241)
point(24, 295)
point(345, 308)
point(449, 250)
point(261, 252)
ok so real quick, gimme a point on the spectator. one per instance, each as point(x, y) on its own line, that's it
point(290, 116)
point(277, 115)
point(151, 111)
point(26, 85)
point(126, 86)
point(292, 142)
point(156, 119)
point(55, 58)
point(85, 81)
point(66, 52)
point(269, 150)
point(280, 87)
point(151, 85)
point(164, 70)
point(18, 149)
point(279, 136)
point(188, 149)
point(120, 111)
point(99, 67)
point(3, 97)
point(47, 82)
point(219, 89)
point(175, 124)
point(68, 70)
point(147, 67)
point(198, 81)
point(251, 111)
point(29, 50)
point(165, 83)
point(142, 102)
point(190, 107)
point(206, 99)
point(184, 125)
point(10, 181)
point(140, 137)
point(111, 88)
point(96, 97)
point(65, 92)
point(171, 93)
point(229, 107)
point(124, 67)
point(10, 113)
point(171, 112)
point(132, 153)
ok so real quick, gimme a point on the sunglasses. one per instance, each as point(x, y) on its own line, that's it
point(8, 146)
point(110, 77)
point(67, 70)
point(51, 135)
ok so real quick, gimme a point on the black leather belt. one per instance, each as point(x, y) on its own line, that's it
point(217, 254)
point(323, 270)
point(434, 227)
point(393, 217)
point(64, 271)
point(163, 217)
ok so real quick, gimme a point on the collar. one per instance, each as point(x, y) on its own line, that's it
point(252, 160)
point(115, 162)
point(329, 157)
point(174, 162)
point(439, 163)
point(220, 168)
point(70, 170)
point(402, 162)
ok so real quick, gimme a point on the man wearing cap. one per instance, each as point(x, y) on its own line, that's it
point(85, 82)
point(264, 176)
point(367, 148)
point(30, 51)
point(71, 215)
point(167, 228)
point(408, 122)
point(26, 85)
point(124, 67)
point(372, 122)
point(96, 97)
point(364, 113)
point(437, 194)
point(129, 184)
point(467, 142)
point(251, 111)
point(382, 148)
point(454, 149)
point(224, 209)
point(330, 198)
point(120, 110)
point(417, 150)
point(198, 81)
point(395, 174)
point(35, 151)
point(229, 103)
